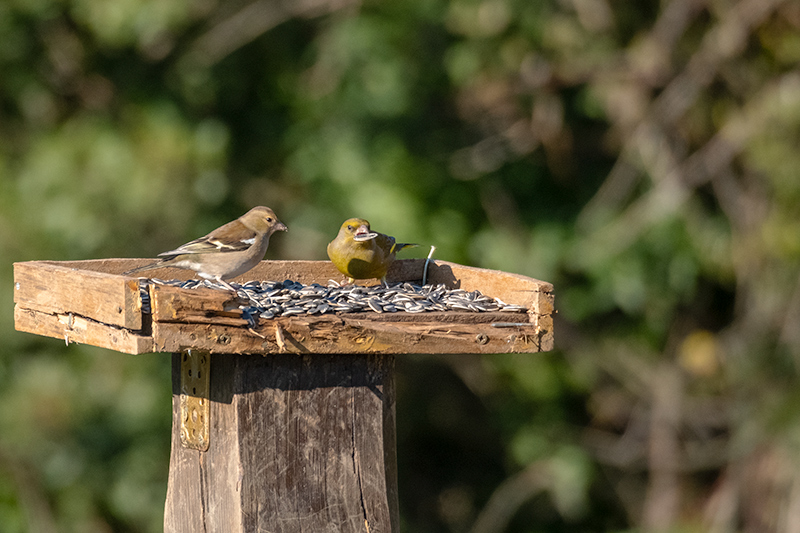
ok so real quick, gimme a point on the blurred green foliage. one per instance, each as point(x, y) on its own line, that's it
point(641, 156)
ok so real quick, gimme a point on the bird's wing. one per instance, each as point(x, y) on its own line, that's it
point(232, 237)
point(385, 243)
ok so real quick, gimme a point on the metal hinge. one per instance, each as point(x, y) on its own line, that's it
point(195, 404)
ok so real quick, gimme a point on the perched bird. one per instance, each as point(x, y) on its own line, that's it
point(359, 253)
point(226, 252)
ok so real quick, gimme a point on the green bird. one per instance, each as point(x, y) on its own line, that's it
point(360, 253)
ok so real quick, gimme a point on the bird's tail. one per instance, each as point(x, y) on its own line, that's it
point(151, 266)
point(400, 245)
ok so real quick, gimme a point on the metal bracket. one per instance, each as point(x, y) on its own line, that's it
point(195, 404)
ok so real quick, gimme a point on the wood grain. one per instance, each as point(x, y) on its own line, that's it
point(332, 334)
point(61, 288)
point(202, 306)
point(298, 443)
point(75, 328)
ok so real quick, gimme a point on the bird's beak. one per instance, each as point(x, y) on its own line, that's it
point(364, 234)
point(280, 226)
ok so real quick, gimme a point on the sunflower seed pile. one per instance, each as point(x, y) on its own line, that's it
point(268, 299)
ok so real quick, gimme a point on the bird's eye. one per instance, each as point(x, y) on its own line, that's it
point(349, 227)
point(269, 219)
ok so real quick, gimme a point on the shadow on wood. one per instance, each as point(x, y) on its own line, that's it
point(297, 443)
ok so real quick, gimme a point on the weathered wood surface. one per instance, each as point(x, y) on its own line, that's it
point(75, 328)
point(197, 306)
point(210, 320)
point(332, 334)
point(54, 287)
point(297, 443)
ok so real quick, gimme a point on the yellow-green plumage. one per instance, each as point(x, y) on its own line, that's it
point(359, 253)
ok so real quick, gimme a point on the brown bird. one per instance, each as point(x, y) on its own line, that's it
point(226, 252)
point(360, 253)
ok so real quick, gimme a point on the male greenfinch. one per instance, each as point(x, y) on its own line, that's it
point(360, 253)
point(226, 252)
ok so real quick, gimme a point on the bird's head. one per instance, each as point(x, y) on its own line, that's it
point(263, 220)
point(358, 229)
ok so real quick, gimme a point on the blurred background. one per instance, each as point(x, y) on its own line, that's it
point(641, 156)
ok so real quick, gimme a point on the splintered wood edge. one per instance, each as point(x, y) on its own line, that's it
point(173, 304)
point(75, 328)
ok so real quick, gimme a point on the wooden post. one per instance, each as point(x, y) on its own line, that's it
point(297, 443)
point(286, 425)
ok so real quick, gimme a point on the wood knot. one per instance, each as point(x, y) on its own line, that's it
point(482, 338)
point(366, 340)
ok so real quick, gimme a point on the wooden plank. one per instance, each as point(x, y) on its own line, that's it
point(204, 306)
point(75, 328)
point(114, 266)
point(202, 487)
point(297, 444)
point(56, 288)
point(340, 334)
point(542, 309)
point(511, 288)
point(536, 295)
point(305, 272)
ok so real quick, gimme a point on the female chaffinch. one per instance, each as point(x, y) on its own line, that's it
point(359, 253)
point(226, 252)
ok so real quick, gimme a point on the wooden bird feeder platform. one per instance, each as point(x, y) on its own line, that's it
point(303, 437)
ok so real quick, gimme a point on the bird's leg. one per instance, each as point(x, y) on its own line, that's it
point(227, 285)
